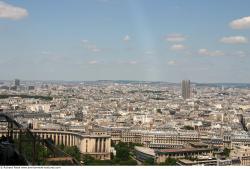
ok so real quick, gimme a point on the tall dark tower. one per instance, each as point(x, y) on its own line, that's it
point(185, 89)
point(17, 82)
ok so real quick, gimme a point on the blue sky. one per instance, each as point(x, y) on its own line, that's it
point(204, 41)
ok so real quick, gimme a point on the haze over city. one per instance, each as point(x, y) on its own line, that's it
point(205, 41)
point(124, 83)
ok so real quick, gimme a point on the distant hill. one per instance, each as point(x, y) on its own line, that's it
point(225, 85)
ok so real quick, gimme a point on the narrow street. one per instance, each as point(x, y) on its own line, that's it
point(138, 162)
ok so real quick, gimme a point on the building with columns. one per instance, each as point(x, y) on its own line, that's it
point(96, 144)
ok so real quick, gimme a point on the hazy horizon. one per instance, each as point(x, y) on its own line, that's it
point(142, 40)
point(80, 81)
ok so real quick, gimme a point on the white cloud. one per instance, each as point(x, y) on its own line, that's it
point(92, 62)
point(8, 11)
point(93, 48)
point(90, 47)
point(175, 38)
point(206, 52)
point(85, 41)
point(96, 50)
point(240, 53)
point(177, 47)
point(234, 39)
point(133, 62)
point(46, 53)
point(242, 23)
point(149, 52)
point(171, 62)
point(126, 38)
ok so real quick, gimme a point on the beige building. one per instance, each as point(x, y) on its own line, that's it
point(97, 143)
point(162, 155)
point(156, 139)
point(241, 152)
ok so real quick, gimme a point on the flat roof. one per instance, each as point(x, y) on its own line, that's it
point(145, 150)
point(167, 151)
point(186, 161)
point(198, 144)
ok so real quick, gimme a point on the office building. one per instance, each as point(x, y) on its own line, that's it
point(185, 89)
point(17, 82)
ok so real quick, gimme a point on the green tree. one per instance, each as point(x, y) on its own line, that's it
point(159, 111)
point(170, 161)
point(226, 152)
point(128, 162)
point(102, 162)
point(61, 146)
point(122, 153)
point(188, 128)
point(149, 161)
point(88, 160)
point(111, 156)
point(73, 151)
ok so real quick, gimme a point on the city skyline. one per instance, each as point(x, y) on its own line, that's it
point(125, 40)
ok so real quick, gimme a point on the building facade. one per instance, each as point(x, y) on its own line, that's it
point(185, 89)
point(96, 144)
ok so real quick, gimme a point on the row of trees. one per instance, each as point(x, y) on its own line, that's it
point(124, 152)
point(72, 151)
point(188, 128)
point(226, 152)
point(122, 156)
point(169, 161)
point(4, 96)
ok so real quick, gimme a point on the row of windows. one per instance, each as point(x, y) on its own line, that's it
point(165, 146)
point(98, 133)
point(160, 140)
point(132, 140)
point(168, 141)
point(183, 154)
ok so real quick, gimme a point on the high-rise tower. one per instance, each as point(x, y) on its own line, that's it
point(17, 82)
point(185, 89)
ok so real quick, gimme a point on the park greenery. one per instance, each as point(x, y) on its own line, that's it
point(72, 151)
point(226, 152)
point(123, 156)
point(149, 161)
point(188, 128)
point(124, 152)
point(170, 162)
point(27, 149)
point(41, 152)
point(4, 96)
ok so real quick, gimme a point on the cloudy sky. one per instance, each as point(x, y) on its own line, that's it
point(200, 40)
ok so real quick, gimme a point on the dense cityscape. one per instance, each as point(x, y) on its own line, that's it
point(167, 123)
point(115, 83)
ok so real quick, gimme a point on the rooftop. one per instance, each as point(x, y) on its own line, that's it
point(145, 150)
point(183, 150)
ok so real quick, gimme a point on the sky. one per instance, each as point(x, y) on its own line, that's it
point(150, 40)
